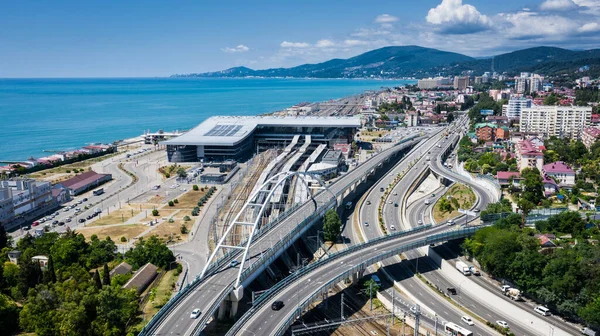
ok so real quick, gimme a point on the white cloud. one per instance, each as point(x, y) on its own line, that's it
point(557, 5)
point(385, 18)
point(365, 32)
point(324, 44)
point(589, 6)
point(354, 43)
point(589, 27)
point(286, 44)
point(454, 17)
point(523, 25)
point(239, 49)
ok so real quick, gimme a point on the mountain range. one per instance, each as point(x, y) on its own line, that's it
point(419, 62)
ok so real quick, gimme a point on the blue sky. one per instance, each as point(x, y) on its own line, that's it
point(159, 38)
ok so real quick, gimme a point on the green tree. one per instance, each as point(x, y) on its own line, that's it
point(4, 238)
point(370, 285)
point(116, 307)
point(105, 275)
point(181, 173)
point(150, 250)
point(9, 315)
point(155, 213)
point(533, 186)
point(332, 225)
point(97, 281)
point(551, 99)
point(50, 272)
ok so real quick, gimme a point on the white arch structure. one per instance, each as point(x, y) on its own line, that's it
point(252, 212)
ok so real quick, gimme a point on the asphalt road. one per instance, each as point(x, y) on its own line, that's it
point(205, 296)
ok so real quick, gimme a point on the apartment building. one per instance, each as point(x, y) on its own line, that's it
point(589, 136)
point(561, 172)
point(529, 155)
point(560, 121)
point(461, 83)
point(22, 199)
point(514, 107)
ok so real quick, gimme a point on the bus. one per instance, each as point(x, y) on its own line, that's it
point(456, 330)
point(98, 191)
point(348, 205)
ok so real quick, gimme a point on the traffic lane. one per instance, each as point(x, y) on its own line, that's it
point(450, 254)
point(319, 276)
point(403, 272)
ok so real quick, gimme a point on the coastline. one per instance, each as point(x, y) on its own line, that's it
point(197, 104)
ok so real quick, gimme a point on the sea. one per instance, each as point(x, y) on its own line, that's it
point(38, 116)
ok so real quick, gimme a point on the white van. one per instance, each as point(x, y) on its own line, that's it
point(542, 310)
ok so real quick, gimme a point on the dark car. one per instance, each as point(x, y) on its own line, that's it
point(277, 305)
point(451, 290)
point(81, 220)
point(61, 223)
point(55, 222)
point(90, 217)
point(85, 199)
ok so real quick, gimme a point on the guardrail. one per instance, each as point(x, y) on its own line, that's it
point(455, 234)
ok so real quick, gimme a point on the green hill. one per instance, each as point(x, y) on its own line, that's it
point(415, 61)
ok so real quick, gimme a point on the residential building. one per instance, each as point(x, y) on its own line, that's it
point(560, 172)
point(461, 83)
point(502, 133)
point(554, 120)
point(498, 120)
point(514, 107)
point(485, 131)
point(590, 135)
point(529, 155)
point(412, 119)
point(142, 278)
point(504, 178)
point(23, 199)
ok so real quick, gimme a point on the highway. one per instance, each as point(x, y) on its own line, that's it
point(208, 293)
point(262, 320)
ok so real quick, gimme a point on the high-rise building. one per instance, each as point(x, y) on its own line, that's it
point(535, 83)
point(514, 107)
point(432, 83)
point(529, 83)
point(554, 120)
point(521, 84)
point(461, 83)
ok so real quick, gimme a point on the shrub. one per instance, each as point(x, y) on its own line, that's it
point(155, 213)
point(68, 171)
point(123, 239)
point(187, 219)
point(202, 189)
point(194, 213)
point(167, 175)
point(178, 269)
point(195, 187)
point(171, 203)
point(171, 220)
point(176, 201)
point(183, 229)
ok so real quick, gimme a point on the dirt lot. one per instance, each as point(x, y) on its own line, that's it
point(171, 232)
point(58, 174)
point(189, 199)
point(115, 232)
point(116, 217)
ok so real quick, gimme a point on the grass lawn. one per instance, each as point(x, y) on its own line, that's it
point(162, 293)
point(464, 195)
point(116, 217)
point(115, 232)
point(188, 200)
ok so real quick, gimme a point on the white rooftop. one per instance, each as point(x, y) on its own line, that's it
point(227, 131)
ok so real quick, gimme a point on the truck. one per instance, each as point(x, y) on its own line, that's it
point(473, 269)
point(428, 158)
point(512, 293)
point(463, 268)
point(98, 192)
point(38, 232)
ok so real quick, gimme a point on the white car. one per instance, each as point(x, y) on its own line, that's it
point(503, 324)
point(234, 263)
point(393, 228)
point(450, 222)
point(420, 222)
point(390, 202)
point(366, 223)
point(195, 313)
point(467, 320)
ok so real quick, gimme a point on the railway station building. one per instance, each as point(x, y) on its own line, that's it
point(222, 138)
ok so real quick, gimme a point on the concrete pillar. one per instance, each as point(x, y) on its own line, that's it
point(355, 278)
point(236, 295)
point(234, 308)
point(222, 310)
